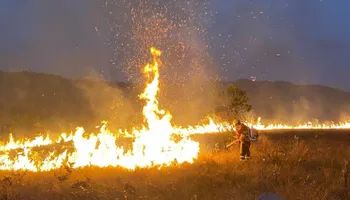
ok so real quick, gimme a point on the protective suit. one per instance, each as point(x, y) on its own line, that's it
point(244, 139)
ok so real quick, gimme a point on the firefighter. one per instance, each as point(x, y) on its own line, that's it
point(242, 132)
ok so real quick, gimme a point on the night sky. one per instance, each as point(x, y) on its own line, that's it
point(292, 40)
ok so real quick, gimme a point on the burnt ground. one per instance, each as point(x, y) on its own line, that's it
point(292, 164)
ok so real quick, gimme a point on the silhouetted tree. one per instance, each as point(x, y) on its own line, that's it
point(234, 104)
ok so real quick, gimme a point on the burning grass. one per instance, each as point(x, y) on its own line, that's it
point(165, 161)
point(157, 142)
point(295, 166)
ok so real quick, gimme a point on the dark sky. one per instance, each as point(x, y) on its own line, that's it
point(293, 40)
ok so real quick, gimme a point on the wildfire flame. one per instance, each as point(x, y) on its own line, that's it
point(308, 125)
point(153, 144)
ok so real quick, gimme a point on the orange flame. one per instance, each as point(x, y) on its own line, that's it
point(153, 144)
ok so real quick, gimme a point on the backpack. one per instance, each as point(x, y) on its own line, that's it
point(253, 134)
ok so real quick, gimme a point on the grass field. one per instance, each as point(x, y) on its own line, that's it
point(294, 165)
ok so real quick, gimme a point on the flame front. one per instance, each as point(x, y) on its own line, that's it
point(153, 144)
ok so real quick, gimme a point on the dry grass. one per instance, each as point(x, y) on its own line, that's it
point(310, 167)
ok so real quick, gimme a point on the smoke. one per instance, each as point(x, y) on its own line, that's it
point(283, 102)
point(129, 29)
point(251, 39)
point(115, 103)
point(178, 28)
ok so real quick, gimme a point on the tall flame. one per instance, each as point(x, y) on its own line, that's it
point(153, 144)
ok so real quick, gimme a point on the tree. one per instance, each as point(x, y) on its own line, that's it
point(234, 104)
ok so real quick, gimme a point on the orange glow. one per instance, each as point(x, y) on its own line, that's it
point(153, 144)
